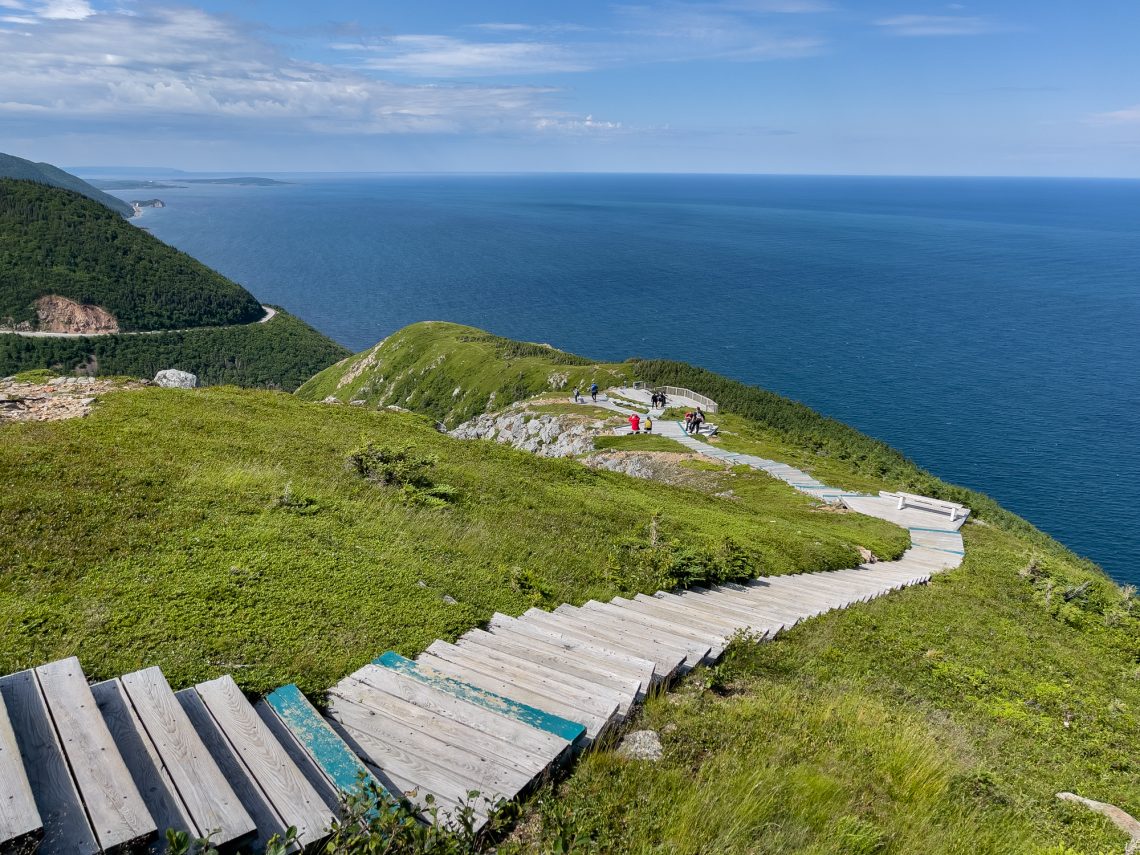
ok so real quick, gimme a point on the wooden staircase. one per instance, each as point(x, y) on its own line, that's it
point(109, 767)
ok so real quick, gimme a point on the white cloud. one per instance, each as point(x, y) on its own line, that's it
point(67, 10)
point(445, 56)
point(1127, 116)
point(936, 25)
point(179, 67)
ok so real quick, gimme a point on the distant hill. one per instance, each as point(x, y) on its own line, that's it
point(44, 173)
point(57, 242)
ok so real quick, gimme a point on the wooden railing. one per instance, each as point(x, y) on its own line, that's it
point(707, 404)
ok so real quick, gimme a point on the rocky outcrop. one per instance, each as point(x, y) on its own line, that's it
point(539, 433)
point(57, 399)
point(61, 315)
point(641, 745)
point(172, 378)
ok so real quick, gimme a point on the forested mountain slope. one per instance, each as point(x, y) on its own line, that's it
point(44, 173)
point(57, 242)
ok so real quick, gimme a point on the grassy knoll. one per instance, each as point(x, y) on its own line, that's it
point(221, 530)
point(938, 720)
point(453, 372)
point(280, 353)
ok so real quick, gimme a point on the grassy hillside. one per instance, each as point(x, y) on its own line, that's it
point(44, 173)
point(221, 530)
point(281, 353)
point(55, 241)
point(453, 372)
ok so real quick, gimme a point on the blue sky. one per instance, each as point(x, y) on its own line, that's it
point(1008, 87)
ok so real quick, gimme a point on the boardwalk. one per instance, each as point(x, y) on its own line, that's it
point(106, 768)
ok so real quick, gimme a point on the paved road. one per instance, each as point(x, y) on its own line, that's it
point(270, 313)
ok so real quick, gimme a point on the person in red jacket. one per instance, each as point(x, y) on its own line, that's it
point(635, 422)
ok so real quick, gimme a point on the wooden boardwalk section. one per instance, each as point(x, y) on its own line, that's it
point(109, 767)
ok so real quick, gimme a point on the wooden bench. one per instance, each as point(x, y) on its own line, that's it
point(927, 503)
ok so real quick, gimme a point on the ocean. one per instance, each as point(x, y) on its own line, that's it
point(988, 328)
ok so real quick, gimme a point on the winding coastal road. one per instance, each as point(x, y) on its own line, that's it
point(270, 313)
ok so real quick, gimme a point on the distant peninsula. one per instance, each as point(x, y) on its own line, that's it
point(180, 183)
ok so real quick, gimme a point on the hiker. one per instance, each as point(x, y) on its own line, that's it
point(688, 422)
point(661, 397)
point(577, 397)
point(635, 422)
point(594, 392)
point(698, 417)
point(653, 398)
point(647, 424)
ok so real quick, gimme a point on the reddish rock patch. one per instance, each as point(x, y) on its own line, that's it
point(61, 315)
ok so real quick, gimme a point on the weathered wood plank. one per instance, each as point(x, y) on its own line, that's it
point(713, 640)
point(66, 829)
point(116, 810)
point(564, 728)
point(477, 755)
point(626, 690)
point(155, 785)
point(668, 660)
point(287, 789)
point(585, 696)
point(20, 823)
point(406, 775)
point(336, 761)
point(413, 757)
point(618, 664)
point(693, 652)
point(209, 800)
point(488, 680)
point(530, 739)
point(266, 820)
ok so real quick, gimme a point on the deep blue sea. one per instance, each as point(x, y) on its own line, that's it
point(989, 328)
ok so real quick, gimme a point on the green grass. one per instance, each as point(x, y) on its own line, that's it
point(220, 531)
point(453, 372)
point(640, 442)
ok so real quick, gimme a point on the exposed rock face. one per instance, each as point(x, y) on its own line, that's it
point(542, 434)
point(172, 378)
point(641, 745)
point(59, 314)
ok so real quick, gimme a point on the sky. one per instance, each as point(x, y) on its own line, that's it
point(901, 87)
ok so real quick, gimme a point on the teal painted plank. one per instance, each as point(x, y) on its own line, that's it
point(327, 749)
point(938, 530)
point(561, 727)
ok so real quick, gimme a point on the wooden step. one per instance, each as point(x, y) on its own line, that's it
point(586, 695)
point(668, 660)
point(20, 826)
point(443, 704)
point(486, 677)
point(268, 765)
point(611, 662)
point(65, 825)
point(115, 809)
point(713, 640)
point(625, 690)
point(686, 617)
point(337, 764)
point(694, 652)
point(563, 728)
point(180, 782)
point(476, 761)
point(415, 772)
